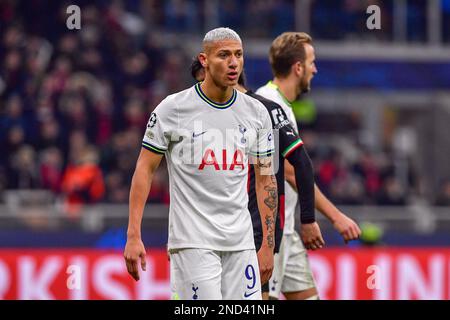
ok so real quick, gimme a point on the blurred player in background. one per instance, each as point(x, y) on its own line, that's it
point(288, 145)
point(212, 252)
point(293, 65)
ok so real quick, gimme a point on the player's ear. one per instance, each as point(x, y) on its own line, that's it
point(203, 60)
point(298, 68)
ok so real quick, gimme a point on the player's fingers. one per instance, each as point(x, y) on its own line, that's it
point(358, 230)
point(354, 234)
point(129, 268)
point(132, 268)
point(309, 245)
point(143, 261)
point(320, 239)
point(318, 244)
point(346, 236)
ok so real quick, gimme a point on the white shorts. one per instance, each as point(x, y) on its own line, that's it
point(214, 275)
point(292, 271)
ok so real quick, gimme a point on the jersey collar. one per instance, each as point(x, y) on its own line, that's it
point(272, 85)
point(213, 104)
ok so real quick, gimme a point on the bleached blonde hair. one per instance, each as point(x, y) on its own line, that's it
point(220, 34)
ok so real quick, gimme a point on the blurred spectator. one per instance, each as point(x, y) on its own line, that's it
point(117, 190)
point(51, 169)
point(368, 170)
point(329, 171)
point(348, 191)
point(159, 192)
point(134, 116)
point(13, 114)
point(82, 181)
point(22, 172)
point(50, 135)
point(77, 144)
point(15, 139)
point(61, 91)
point(392, 193)
point(13, 72)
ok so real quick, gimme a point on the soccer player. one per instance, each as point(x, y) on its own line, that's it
point(293, 64)
point(208, 134)
point(290, 147)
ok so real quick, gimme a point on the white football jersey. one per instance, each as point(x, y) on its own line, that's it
point(270, 91)
point(207, 148)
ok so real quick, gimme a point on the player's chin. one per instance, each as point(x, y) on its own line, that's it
point(231, 82)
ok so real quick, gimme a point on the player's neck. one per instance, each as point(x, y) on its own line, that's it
point(216, 93)
point(287, 87)
point(240, 88)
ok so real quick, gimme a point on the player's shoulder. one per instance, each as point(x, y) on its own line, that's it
point(172, 101)
point(268, 104)
point(183, 95)
point(266, 89)
point(251, 101)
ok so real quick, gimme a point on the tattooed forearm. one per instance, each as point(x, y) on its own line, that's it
point(273, 179)
point(272, 199)
point(270, 231)
point(265, 163)
point(267, 194)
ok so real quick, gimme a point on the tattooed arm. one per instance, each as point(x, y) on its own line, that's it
point(267, 196)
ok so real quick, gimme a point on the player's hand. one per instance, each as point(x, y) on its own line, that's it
point(311, 236)
point(133, 254)
point(348, 228)
point(265, 261)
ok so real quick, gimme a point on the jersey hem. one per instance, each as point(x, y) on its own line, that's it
point(152, 148)
point(206, 247)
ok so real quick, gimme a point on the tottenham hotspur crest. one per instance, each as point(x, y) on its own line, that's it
point(242, 130)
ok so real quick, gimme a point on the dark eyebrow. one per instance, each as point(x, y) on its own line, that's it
point(229, 51)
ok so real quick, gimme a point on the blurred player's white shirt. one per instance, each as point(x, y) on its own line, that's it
point(207, 147)
point(270, 91)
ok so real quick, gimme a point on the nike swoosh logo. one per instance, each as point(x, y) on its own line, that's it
point(246, 295)
point(194, 135)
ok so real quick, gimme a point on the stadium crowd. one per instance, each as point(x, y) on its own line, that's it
point(74, 104)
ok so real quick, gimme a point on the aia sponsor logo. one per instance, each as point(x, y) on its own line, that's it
point(210, 159)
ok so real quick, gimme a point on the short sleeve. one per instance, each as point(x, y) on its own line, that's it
point(264, 145)
point(157, 132)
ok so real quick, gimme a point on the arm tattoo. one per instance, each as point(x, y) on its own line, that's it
point(270, 231)
point(271, 201)
point(264, 163)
